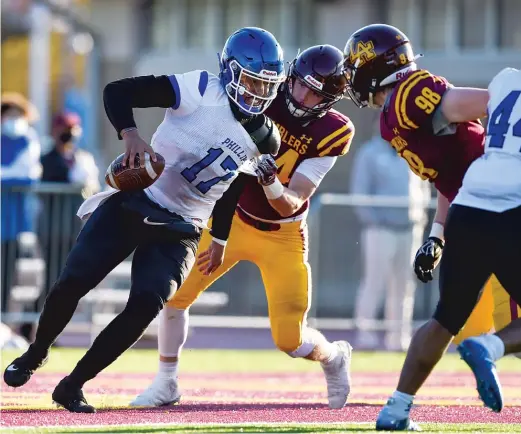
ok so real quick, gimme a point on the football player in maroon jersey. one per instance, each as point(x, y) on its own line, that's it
point(434, 126)
point(269, 228)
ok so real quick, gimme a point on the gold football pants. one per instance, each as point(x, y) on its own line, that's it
point(282, 258)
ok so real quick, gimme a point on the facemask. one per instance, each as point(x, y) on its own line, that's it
point(15, 127)
point(65, 137)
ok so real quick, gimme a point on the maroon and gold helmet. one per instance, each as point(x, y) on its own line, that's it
point(320, 69)
point(376, 56)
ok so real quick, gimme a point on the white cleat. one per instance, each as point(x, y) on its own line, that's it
point(338, 375)
point(162, 391)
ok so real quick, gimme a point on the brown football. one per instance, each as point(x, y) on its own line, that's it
point(126, 179)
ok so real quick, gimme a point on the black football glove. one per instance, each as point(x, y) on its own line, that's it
point(427, 258)
point(266, 171)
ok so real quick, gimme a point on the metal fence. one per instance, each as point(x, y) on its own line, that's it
point(39, 226)
point(335, 258)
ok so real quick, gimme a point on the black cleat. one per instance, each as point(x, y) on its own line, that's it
point(71, 398)
point(22, 368)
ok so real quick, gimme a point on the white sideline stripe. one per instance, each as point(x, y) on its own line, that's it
point(148, 166)
point(340, 199)
point(220, 321)
point(174, 424)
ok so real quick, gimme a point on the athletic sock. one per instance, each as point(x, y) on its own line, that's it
point(493, 344)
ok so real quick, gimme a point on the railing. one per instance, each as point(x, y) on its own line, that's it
point(336, 260)
point(334, 256)
point(39, 224)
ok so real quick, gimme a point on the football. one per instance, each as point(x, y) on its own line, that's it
point(126, 179)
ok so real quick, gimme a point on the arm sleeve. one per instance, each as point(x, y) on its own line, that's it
point(224, 208)
point(121, 96)
point(315, 169)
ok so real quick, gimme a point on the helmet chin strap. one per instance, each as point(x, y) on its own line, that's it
point(370, 99)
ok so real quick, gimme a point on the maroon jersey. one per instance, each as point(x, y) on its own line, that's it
point(329, 135)
point(409, 123)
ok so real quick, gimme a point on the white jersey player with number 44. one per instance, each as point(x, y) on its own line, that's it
point(488, 209)
point(493, 181)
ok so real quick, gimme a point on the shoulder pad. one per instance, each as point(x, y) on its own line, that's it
point(338, 142)
point(416, 98)
point(267, 137)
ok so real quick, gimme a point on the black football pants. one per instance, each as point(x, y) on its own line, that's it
point(162, 259)
point(477, 244)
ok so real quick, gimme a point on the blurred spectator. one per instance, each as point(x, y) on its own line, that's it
point(20, 157)
point(64, 163)
point(390, 237)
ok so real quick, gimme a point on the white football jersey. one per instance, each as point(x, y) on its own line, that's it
point(493, 181)
point(204, 147)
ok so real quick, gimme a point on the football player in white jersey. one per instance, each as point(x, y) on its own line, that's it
point(482, 236)
point(213, 128)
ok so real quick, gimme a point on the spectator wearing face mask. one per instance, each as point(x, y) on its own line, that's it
point(65, 163)
point(20, 155)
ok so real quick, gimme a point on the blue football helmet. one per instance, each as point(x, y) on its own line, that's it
point(252, 69)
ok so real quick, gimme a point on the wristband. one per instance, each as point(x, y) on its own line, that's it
point(274, 191)
point(126, 130)
point(437, 231)
point(218, 241)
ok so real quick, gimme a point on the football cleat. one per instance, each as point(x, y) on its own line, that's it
point(162, 391)
point(338, 375)
point(22, 368)
point(478, 358)
point(71, 398)
point(386, 421)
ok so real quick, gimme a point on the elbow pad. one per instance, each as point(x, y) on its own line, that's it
point(267, 137)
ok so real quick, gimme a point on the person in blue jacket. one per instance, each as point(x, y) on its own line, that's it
point(20, 158)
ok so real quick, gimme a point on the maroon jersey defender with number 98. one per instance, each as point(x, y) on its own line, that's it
point(435, 150)
point(435, 127)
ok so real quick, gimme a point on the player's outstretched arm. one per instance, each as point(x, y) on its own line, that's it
point(120, 97)
point(300, 189)
point(440, 216)
point(223, 211)
point(308, 176)
point(428, 255)
point(285, 200)
point(462, 104)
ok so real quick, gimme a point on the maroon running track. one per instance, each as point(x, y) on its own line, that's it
point(249, 409)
